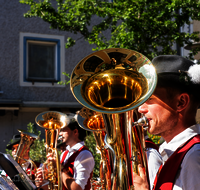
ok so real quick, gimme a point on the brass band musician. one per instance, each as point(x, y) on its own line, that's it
point(171, 112)
point(77, 161)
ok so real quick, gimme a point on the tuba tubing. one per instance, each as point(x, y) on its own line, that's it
point(115, 82)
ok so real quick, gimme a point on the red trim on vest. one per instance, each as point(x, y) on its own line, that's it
point(156, 178)
point(70, 165)
point(150, 144)
point(64, 156)
point(166, 182)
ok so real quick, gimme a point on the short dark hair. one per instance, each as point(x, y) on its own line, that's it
point(74, 125)
point(173, 87)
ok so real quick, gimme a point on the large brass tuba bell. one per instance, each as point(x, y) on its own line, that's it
point(52, 122)
point(114, 82)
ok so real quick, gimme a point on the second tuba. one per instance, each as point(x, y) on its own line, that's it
point(93, 122)
point(114, 82)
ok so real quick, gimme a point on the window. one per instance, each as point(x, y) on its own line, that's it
point(41, 59)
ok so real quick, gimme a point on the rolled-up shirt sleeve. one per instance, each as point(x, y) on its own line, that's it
point(83, 166)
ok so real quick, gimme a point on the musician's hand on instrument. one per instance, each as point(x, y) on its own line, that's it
point(140, 181)
point(39, 180)
point(51, 159)
point(39, 177)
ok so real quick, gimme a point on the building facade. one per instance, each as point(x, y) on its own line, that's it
point(28, 82)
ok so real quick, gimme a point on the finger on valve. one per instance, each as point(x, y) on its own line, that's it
point(51, 157)
point(51, 160)
point(39, 177)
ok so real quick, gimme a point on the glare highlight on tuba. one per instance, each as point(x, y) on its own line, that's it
point(52, 122)
point(114, 82)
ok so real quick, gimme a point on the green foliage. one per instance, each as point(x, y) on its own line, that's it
point(9, 151)
point(154, 138)
point(37, 150)
point(90, 142)
point(150, 27)
point(66, 81)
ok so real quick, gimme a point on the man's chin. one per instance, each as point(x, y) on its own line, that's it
point(154, 133)
point(151, 131)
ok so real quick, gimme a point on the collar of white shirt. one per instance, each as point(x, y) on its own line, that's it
point(75, 147)
point(167, 149)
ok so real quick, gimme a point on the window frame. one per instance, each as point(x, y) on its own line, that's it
point(26, 38)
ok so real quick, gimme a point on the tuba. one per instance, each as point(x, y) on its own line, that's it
point(93, 122)
point(26, 141)
point(52, 122)
point(114, 82)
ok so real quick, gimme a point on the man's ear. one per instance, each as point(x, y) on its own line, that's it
point(75, 131)
point(183, 101)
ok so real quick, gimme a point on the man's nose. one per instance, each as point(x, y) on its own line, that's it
point(143, 109)
point(61, 135)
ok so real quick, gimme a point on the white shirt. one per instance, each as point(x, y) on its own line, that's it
point(154, 160)
point(188, 177)
point(83, 164)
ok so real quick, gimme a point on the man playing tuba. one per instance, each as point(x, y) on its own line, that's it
point(77, 161)
point(171, 112)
